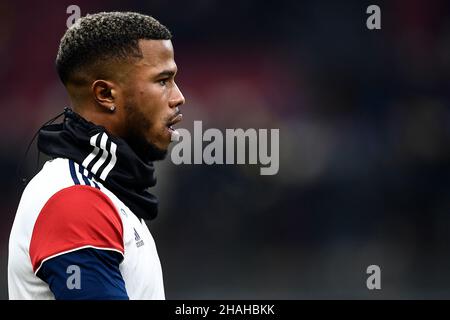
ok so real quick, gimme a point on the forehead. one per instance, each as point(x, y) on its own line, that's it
point(157, 55)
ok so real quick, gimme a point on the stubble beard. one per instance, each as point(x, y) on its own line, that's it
point(137, 125)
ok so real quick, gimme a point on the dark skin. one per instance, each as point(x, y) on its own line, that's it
point(143, 92)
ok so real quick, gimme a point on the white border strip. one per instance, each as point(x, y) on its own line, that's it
point(76, 249)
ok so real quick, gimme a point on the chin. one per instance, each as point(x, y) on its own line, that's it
point(146, 150)
point(155, 153)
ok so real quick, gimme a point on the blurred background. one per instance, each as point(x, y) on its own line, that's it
point(364, 123)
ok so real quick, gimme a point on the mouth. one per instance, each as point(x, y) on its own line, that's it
point(177, 118)
point(174, 134)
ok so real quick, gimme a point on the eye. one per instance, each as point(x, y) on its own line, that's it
point(163, 82)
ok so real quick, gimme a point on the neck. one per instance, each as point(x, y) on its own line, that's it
point(101, 117)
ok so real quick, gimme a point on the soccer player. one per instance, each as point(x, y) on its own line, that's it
point(79, 230)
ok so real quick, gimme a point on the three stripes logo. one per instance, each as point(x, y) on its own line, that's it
point(101, 163)
point(137, 238)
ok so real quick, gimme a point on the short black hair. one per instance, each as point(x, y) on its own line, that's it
point(105, 35)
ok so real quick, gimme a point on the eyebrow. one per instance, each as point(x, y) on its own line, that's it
point(168, 73)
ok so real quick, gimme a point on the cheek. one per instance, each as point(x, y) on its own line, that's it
point(152, 96)
point(154, 101)
point(151, 100)
point(153, 111)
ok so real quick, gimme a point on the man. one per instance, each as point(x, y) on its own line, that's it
point(79, 231)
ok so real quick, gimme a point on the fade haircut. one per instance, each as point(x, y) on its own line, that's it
point(104, 37)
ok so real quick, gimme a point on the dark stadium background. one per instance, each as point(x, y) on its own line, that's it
point(364, 125)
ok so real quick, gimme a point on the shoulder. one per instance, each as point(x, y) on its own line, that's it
point(73, 218)
point(63, 209)
point(56, 175)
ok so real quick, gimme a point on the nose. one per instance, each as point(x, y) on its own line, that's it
point(177, 98)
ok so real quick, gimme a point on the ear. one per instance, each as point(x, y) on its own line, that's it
point(104, 93)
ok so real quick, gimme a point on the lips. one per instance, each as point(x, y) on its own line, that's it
point(177, 118)
point(174, 134)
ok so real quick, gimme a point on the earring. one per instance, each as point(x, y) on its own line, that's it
point(112, 108)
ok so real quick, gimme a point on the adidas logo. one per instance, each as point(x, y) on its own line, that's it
point(103, 158)
point(137, 238)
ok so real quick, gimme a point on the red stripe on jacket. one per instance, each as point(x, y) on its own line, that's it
point(75, 217)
